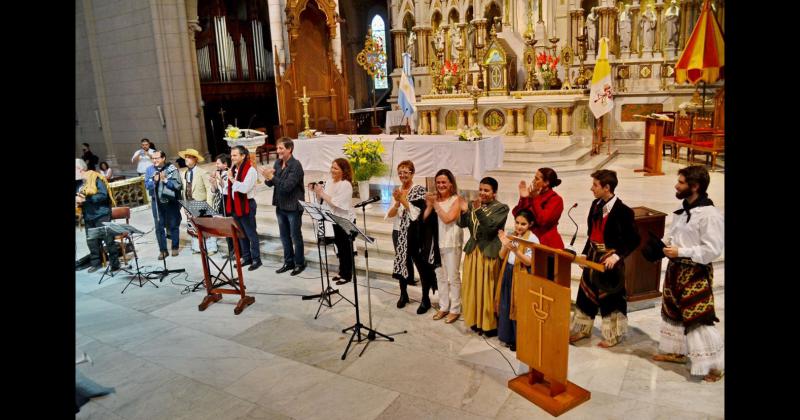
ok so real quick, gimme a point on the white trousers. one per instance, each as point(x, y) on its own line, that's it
point(448, 279)
point(704, 345)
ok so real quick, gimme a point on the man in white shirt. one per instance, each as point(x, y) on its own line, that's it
point(696, 238)
point(241, 204)
point(142, 157)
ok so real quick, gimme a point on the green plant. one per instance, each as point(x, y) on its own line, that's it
point(365, 158)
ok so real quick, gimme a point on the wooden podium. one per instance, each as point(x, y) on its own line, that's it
point(543, 312)
point(221, 227)
point(642, 277)
point(653, 144)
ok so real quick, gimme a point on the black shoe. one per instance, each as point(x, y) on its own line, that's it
point(340, 281)
point(284, 269)
point(247, 262)
point(512, 347)
point(423, 307)
point(115, 269)
point(299, 269)
point(490, 333)
point(401, 303)
point(254, 266)
point(92, 269)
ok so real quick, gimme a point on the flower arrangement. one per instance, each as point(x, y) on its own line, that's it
point(547, 66)
point(470, 134)
point(233, 132)
point(365, 158)
point(449, 72)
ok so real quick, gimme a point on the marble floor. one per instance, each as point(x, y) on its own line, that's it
point(165, 359)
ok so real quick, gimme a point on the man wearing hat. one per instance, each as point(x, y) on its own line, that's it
point(196, 188)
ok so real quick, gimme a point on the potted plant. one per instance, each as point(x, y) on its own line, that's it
point(365, 157)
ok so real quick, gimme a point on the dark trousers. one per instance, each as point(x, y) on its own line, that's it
point(95, 245)
point(167, 216)
point(249, 244)
point(426, 272)
point(289, 223)
point(343, 243)
point(221, 210)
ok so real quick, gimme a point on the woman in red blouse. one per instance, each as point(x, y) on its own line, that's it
point(545, 204)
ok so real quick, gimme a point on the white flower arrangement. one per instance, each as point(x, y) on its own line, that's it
point(470, 134)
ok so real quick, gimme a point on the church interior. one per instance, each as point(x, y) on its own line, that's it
point(519, 82)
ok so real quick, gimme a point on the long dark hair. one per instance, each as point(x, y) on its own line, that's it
point(450, 177)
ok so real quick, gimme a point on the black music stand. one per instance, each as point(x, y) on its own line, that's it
point(119, 229)
point(354, 232)
point(319, 215)
point(198, 208)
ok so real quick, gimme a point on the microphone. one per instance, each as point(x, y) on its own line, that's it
point(369, 201)
point(575, 235)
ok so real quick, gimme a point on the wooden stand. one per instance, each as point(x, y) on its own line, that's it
point(543, 312)
point(653, 145)
point(642, 277)
point(224, 227)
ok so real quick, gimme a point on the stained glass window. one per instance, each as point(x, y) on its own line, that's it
point(379, 35)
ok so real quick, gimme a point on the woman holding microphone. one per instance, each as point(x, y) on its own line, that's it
point(338, 196)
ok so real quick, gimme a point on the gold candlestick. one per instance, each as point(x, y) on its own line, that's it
point(308, 132)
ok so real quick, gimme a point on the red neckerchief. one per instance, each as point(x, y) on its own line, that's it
point(237, 197)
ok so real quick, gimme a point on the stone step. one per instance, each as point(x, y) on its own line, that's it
point(585, 167)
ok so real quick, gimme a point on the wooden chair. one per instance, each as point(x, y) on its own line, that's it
point(680, 137)
point(669, 130)
point(709, 137)
point(268, 148)
point(350, 126)
point(330, 127)
point(122, 213)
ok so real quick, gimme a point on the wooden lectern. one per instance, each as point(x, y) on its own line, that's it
point(543, 313)
point(642, 277)
point(224, 227)
point(653, 144)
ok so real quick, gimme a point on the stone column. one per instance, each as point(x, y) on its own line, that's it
point(447, 40)
point(461, 118)
point(685, 18)
point(480, 34)
point(510, 123)
point(423, 122)
point(421, 53)
point(336, 44)
point(399, 38)
point(635, 28)
point(553, 121)
point(276, 30)
point(658, 50)
point(521, 121)
point(470, 118)
point(434, 121)
point(566, 121)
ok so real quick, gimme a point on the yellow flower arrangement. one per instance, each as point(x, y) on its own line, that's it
point(365, 157)
point(233, 132)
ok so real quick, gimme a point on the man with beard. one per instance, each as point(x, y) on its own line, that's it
point(241, 204)
point(612, 237)
point(696, 238)
point(163, 182)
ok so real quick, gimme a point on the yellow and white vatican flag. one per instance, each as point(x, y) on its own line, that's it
point(601, 99)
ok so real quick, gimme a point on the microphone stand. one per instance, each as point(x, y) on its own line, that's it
point(571, 250)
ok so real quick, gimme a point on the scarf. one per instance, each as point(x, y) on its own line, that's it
point(701, 201)
point(401, 254)
point(90, 186)
point(238, 198)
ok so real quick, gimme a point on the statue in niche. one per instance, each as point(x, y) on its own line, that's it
point(457, 44)
point(411, 45)
point(625, 29)
point(438, 41)
point(591, 30)
point(647, 26)
point(671, 25)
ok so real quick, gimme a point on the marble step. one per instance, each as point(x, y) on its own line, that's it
point(585, 167)
point(534, 153)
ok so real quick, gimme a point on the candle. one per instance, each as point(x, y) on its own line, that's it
point(304, 91)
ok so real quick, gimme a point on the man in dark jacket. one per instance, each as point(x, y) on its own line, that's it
point(287, 178)
point(94, 198)
point(90, 158)
point(612, 237)
point(163, 183)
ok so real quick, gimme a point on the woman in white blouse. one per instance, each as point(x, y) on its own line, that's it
point(105, 170)
point(338, 196)
point(446, 203)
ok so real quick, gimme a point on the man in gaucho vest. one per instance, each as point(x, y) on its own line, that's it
point(696, 238)
point(612, 237)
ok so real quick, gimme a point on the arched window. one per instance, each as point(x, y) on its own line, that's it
point(379, 35)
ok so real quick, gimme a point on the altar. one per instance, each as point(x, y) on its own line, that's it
point(429, 153)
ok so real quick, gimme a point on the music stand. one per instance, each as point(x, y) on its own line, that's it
point(318, 214)
point(222, 227)
point(353, 232)
point(119, 229)
point(198, 208)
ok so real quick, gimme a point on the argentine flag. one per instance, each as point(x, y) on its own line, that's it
point(601, 99)
point(406, 97)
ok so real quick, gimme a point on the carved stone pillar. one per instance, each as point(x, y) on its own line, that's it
point(421, 52)
point(554, 121)
point(480, 35)
point(521, 121)
point(399, 38)
point(635, 28)
point(434, 121)
point(658, 49)
point(423, 122)
point(686, 11)
point(566, 121)
point(461, 118)
point(510, 122)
